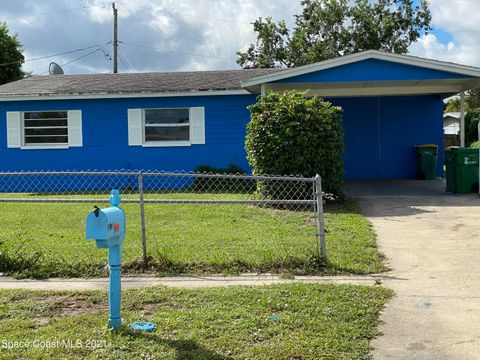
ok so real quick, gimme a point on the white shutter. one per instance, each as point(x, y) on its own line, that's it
point(197, 125)
point(75, 133)
point(14, 129)
point(135, 124)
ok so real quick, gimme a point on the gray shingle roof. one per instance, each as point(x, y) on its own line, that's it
point(131, 83)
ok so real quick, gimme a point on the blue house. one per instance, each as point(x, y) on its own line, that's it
point(179, 120)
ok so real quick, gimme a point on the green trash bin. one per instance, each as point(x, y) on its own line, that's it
point(466, 170)
point(450, 161)
point(427, 155)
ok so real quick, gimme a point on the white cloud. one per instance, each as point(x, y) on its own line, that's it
point(461, 19)
point(430, 47)
point(188, 34)
point(195, 34)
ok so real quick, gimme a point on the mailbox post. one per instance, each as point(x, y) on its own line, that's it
point(107, 228)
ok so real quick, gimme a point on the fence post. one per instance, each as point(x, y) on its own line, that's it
point(142, 218)
point(321, 223)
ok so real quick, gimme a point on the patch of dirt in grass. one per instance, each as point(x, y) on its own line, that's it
point(148, 309)
point(56, 306)
point(310, 221)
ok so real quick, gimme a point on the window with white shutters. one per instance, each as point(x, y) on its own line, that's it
point(44, 129)
point(166, 126)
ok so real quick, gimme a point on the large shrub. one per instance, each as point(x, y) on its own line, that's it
point(291, 134)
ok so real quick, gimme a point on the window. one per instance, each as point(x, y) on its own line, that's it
point(45, 128)
point(167, 125)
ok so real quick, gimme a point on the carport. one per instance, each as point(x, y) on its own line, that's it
point(391, 102)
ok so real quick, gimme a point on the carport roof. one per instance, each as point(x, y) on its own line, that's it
point(371, 73)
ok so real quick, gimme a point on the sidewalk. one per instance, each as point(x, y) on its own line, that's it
point(189, 282)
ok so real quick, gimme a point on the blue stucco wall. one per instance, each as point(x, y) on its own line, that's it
point(372, 70)
point(380, 134)
point(105, 136)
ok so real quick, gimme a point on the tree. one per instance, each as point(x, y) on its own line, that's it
point(472, 101)
point(473, 98)
point(471, 126)
point(11, 57)
point(453, 105)
point(330, 28)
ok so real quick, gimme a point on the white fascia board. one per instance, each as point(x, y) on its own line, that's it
point(121, 96)
point(370, 54)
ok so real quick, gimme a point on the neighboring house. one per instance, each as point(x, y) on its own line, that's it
point(176, 121)
point(451, 129)
point(451, 123)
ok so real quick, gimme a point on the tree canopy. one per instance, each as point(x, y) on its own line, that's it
point(472, 101)
point(330, 28)
point(11, 57)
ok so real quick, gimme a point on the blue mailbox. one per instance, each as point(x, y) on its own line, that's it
point(107, 228)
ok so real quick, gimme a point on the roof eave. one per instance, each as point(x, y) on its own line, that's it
point(119, 95)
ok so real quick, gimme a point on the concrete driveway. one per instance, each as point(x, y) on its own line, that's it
point(432, 242)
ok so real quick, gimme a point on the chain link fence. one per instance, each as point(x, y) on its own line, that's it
point(176, 222)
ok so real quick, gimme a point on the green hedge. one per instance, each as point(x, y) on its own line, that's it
point(291, 134)
point(222, 185)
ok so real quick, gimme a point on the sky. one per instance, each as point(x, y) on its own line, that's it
point(181, 35)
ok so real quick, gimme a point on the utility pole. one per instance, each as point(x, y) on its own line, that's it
point(115, 39)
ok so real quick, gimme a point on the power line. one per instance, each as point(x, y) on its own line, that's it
point(143, 6)
point(124, 64)
point(81, 57)
point(189, 15)
point(98, 47)
point(173, 51)
point(45, 13)
point(122, 54)
point(454, 31)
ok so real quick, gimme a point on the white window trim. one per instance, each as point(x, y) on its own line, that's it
point(166, 143)
point(44, 147)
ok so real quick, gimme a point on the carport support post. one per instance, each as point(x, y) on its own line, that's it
point(462, 119)
point(321, 223)
point(142, 218)
point(478, 129)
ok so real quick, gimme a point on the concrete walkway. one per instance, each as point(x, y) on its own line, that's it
point(433, 246)
point(183, 281)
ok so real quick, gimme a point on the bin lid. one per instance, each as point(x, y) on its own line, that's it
point(427, 146)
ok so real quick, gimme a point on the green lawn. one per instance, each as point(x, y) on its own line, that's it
point(301, 321)
point(42, 240)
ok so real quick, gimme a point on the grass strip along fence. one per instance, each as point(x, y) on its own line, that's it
point(179, 223)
